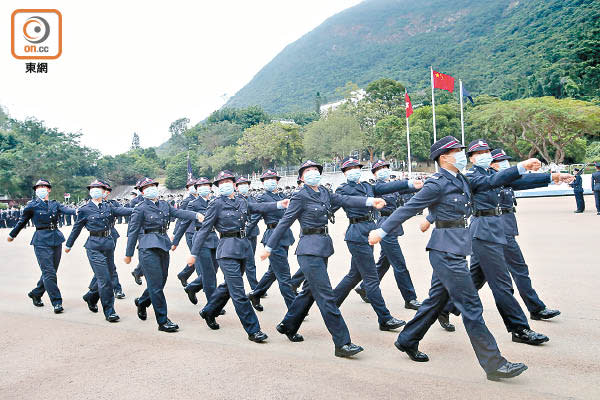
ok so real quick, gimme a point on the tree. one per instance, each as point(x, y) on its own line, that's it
point(177, 172)
point(135, 142)
point(268, 143)
point(334, 136)
point(178, 127)
point(549, 127)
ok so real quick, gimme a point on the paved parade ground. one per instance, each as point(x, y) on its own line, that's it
point(78, 355)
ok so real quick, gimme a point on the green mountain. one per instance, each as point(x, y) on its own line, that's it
point(506, 48)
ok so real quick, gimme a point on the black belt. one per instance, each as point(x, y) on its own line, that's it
point(272, 226)
point(386, 213)
point(199, 227)
point(238, 234)
point(156, 230)
point(105, 233)
point(457, 223)
point(362, 218)
point(488, 213)
point(44, 228)
point(511, 210)
point(323, 230)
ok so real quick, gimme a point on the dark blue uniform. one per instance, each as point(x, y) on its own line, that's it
point(362, 264)
point(315, 246)
point(148, 226)
point(596, 189)
point(206, 261)
point(449, 200)
point(577, 186)
point(391, 253)
point(488, 263)
point(252, 233)
point(137, 271)
point(279, 267)
point(98, 219)
point(187, 270)
point(229, 216)
point(47, 243)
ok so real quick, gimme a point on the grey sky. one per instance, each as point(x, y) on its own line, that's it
point(139, 65)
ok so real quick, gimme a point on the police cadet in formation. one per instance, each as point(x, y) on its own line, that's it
point(98, 216)
point(577, 186)
point(47, 241)
point(279, 267)
point(312, 206)
point(206, 262)
point(93, 295)
point(149, 224)
point(242, 186)
point(448, 195)
point(488, 263)
point(137, 272)
point(596, 186)
point(362, 264)
point(228, 214)
point(512, 252)
point(187, 270)
point(391, 253)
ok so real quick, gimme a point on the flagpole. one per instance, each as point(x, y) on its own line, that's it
point(408, 142)
point(462, 118)
point(433, 109)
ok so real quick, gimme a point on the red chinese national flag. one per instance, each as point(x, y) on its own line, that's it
point(443, 81)
point(409, 109)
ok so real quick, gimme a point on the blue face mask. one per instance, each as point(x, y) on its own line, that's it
point(483, 160)
point(151, 192)
point(312, 177)
point(504, 164)
point(460, 160)
point(383, 174)
point(226, 189)
point(96, 193)
point(192, 190)
point(353, 175)
point(203, 190)
point(41, 192)
point(270, 184)
point(243, 189)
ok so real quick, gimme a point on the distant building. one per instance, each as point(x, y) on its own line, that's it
point(356, 96)
point(284, 121)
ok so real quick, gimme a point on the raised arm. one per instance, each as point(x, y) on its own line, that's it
point(67, 210)
point(531, 181)
point(183, 214)
point(404, 186)
point(121, 211)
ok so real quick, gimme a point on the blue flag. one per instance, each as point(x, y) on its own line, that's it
point(467, 94)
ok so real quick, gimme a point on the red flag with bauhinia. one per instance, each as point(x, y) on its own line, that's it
point(409, 109)
point(443, 81)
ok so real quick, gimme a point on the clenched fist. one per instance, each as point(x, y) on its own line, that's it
point(200, 217)
point(379, 203)
point(191, 260)
point(424, 226)
point(127, 260)
point(418, 184)
point(374, 238)
point(533, 164)
point(264, 254)
point(285, 203)
point(558, 177)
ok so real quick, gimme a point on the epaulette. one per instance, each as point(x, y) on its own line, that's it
point(470, 171)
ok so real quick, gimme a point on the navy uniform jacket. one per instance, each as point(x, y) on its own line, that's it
point(393, 201)
point(252, 225)
point(274, 217)
point(96, 219)
point(229, 215)
point(507, 198)
point(596, 181)
point(135, 201)
point(577, 184)
point(147, 215)
point(311, 208)
point(449, 199)
point(43, 215)
point(485, 186)
point(200, 205)
point(183, 206)
point(360, 232)
point(113, 230)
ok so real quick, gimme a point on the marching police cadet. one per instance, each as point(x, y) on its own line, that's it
point(279, 267)
point(448, 196)
point(596, 186)
point(243, 187)
point(577, 186)
point(512, 252)
point(228, 214)
point(2, 219)
point(137, 272)
point(98, 216)
point(391, 253)
point(362, 265)
point(188, 270)
point(47, 241)
point(149, 223)
point(206, 262)
point(312, 206)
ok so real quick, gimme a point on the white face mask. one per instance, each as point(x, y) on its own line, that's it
point(96, 193)
point(151, 192)
point(203, 190)
point(192, 190)
point(504, 164)
point(353, 175)
point(383, 173)
point(41, 192)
